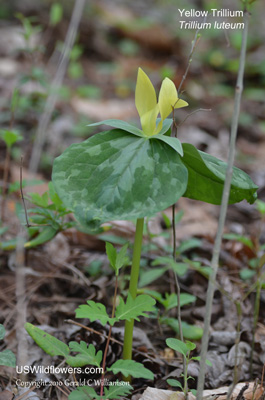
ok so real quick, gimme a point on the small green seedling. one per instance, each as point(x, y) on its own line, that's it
point(45, 220)
point(7, 357)
point(56, 14)
point(131, 173)
point(87, 354)
point(29, 30)
point(185, 349)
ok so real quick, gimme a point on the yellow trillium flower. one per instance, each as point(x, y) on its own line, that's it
point(147, 106)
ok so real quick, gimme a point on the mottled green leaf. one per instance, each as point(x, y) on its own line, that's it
point(116, 175)
point(134, 308)
point(131, 367)
point(8, 358)
point(86, 355)
point(48, 343)
point(207, 175)
point(94, 311)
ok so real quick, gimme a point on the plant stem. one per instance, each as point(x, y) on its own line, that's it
point(255, 322)
point(178, 296)
point(128, 335)
point(108, 339)
point(237, 366)
point(225, 197)
point(5, 180)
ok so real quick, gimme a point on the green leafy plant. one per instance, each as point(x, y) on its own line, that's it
point(45, 220)
point(7, 357)
point(86, 354)
point(185, 348)
point(29, 30)
point(131, 173)
point(169, 301)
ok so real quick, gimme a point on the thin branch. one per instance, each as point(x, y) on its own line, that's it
point(222, 217)
point(108, 339)
point(21, 192)
point(194, 112)
point(193, 47)
point(55, 85)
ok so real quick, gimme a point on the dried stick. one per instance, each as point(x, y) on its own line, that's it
point(21, 306)
point(56, 83)
point(222, 217)
point(21, 192)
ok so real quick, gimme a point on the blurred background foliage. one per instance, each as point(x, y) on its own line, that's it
point(115, 38)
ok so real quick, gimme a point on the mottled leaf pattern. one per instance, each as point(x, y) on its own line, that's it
point(116, 175)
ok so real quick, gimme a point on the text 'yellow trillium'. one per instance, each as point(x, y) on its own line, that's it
point(147, 106)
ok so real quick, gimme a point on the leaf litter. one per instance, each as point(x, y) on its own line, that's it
point(54, 290)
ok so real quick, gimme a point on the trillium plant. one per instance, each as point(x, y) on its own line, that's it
point(130, 173)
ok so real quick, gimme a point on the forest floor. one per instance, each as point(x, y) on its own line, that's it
point(47, 285)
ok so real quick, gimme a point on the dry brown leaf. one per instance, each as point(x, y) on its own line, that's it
point(252, 392)
point(6, 395)
point(198, 219)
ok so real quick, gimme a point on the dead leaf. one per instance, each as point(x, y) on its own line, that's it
point(6, 395)
point(198, 219)
point(252, 392)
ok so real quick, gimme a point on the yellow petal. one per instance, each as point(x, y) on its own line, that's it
point(168, 98)
point(148, 121)
point(146, 102)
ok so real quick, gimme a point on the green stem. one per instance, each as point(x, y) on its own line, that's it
point(109, 336)
point(128, 335)
point(186, 389)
